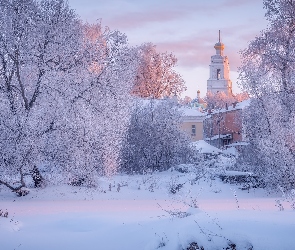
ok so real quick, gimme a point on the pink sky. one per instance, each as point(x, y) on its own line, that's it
point(188, 28)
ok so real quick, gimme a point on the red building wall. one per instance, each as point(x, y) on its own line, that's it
point(227, 122)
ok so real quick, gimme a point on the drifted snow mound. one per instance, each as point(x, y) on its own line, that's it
point(206, 148)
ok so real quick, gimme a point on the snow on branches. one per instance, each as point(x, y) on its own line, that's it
point(267, 74)
point(64, 89)
point(154, 140)
point(156, 77)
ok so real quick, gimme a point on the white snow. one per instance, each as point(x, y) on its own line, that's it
point(143, 216)
point(205, 147)
point(241, 143)
point(238, 106)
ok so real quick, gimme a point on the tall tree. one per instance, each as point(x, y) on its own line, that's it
point(39, 41)
point(267, 74)
point(64, 91)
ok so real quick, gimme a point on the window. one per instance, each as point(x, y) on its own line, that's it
point(218, 74)
point(193, 129)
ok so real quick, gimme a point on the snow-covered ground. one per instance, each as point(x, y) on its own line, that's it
point(146, 212)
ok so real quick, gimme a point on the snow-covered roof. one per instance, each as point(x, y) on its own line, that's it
point(191, 111)
point(243, 104)
point(241, 143)
point(239, 106)
point(205, 147)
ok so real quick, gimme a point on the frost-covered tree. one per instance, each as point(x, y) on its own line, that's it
point(154, 140)
point(38, 42)
point(218, 100)
point(100, 104)
point(267, 74)
point(64, 91)
point(185, 101)
point(222, 100)
point(156, 77)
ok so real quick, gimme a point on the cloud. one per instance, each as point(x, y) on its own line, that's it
point(139, 19)
point(130, 14)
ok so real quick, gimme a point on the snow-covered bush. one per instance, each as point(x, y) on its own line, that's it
point(3, 214)
point(174, 185)
point(154, 139)
point(37, 178)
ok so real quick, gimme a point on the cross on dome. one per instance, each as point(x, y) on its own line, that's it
point(219, 46)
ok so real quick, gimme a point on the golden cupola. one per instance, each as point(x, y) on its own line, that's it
point(219, 47)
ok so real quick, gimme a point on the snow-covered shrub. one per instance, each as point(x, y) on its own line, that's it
point(149, 181)
point(174, 186)
point(162, 241)
point(280, 205)
point(194, 246)
point(246, 179)
point(22, 191)
point(288, 196)
point(3, 214)
point(191, 199)
point(154, 139)
point(37, 178)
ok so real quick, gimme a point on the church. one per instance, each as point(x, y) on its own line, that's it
point(220, 127)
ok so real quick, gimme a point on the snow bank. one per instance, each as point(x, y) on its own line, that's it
point(205, 147)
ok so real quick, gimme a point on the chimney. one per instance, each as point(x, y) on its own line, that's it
point(198, 94)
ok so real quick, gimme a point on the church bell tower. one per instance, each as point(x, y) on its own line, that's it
point(219, 72)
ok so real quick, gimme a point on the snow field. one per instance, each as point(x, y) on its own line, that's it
point(144, 214)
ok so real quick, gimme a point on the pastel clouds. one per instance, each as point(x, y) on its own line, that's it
point(130, 14)
point(188, 28)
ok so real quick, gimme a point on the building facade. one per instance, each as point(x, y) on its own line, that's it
point(192, 123)
point(224, 127)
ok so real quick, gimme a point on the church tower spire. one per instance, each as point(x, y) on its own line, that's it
point(219, 80)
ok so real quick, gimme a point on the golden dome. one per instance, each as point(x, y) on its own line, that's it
point(219, 46)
